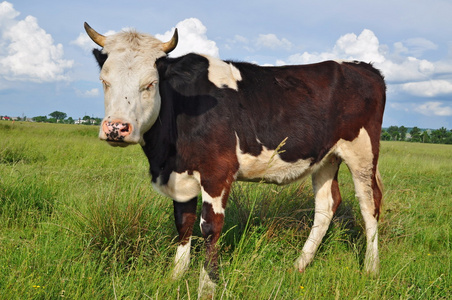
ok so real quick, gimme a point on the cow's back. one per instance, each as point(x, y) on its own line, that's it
point(313, 106)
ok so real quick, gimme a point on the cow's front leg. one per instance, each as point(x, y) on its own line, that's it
point(185, 217)
point(212, 220)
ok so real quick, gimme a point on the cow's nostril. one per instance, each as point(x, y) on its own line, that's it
point(125, 128)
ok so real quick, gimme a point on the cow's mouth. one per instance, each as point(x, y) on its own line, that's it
point(117, 143)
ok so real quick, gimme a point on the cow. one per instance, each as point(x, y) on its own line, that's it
point(204, 123)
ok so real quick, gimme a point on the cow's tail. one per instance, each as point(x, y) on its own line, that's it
point(379, 199)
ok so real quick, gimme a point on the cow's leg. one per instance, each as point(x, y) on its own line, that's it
point(212, 220)
point(368, 189)
point(327, 199)
point(362, 159)
point(185, 217)
point(367, 184)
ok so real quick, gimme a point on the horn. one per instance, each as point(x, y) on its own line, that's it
point(169, 46)
point(96, 37)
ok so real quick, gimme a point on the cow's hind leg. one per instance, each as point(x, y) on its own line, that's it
point(185, 217)
point(361, 158)
point(327, 199)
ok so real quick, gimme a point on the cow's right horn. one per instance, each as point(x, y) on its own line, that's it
point(96, 37)
point(169, 46)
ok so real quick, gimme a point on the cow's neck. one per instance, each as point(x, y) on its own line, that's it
point(160, 142)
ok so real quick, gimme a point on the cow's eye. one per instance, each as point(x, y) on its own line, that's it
point(150, 85)
point(105, 83)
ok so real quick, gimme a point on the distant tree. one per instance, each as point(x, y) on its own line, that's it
point(40, 119)
point(425, 137)
point(394, 132)
point(439, 135)
point(87, 120)
point(448, 140)
point(70, 120)
point(52, 120)
point(444, 133)
point(415, 134)
point(402, 130)
point(58, 115)
point(385, 136)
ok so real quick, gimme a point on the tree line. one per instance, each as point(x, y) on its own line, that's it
point(415, 134)
point(61, 117)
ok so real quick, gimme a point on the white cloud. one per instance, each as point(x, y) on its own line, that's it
point(89, 93)
point(7, 14)
point(192, 38)
point(415, 46)
point(430, 88)
point(85, 42)
point(271, 41)
point(28, 52)
point(408, 69)
point(240, 39)
point(434, 108)
point(364, 47)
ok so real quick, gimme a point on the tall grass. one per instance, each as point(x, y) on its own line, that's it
point(79, 220)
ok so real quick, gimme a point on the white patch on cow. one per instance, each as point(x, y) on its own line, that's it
point(181, 187)
point(206, 287)
point(322, 180)
point(269, 167)
point(182, 260)
point(371, 260)
point(358, 156)
point(131, 90)
point(223, 74)
point(201, 222)
point(216, 202)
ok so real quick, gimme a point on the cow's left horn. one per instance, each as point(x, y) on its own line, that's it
point(96, 37)
point(169, 46)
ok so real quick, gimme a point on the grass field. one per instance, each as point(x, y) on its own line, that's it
point(79, 220)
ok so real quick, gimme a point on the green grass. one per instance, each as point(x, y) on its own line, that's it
point(79, 220)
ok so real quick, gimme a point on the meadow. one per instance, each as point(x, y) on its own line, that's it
point(80, 220)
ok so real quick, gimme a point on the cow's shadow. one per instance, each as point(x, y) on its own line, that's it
point(271, 211)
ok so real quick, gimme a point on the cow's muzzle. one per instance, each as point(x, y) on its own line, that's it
point(116, 131)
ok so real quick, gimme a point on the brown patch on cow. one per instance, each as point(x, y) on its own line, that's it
point(185, 218)
point(377, 188)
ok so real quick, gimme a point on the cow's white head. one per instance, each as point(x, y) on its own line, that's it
point(130, 81)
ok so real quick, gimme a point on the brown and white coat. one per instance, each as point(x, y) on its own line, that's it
point(204, 123)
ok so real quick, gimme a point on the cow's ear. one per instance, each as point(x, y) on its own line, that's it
point(100, 57)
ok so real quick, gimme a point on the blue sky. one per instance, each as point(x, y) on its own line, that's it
point(46, 63)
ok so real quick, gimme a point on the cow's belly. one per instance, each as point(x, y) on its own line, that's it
point(269, 167)
point(181, 186)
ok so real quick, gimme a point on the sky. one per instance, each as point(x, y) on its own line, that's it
point(46, 63)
